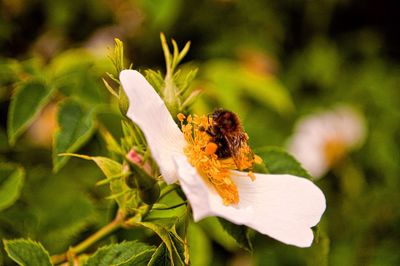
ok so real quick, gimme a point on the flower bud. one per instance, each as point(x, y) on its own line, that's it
point(136, 158)
point(150, 195)
point(131, 181)
point(149, 190)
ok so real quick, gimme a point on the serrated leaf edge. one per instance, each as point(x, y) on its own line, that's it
point(6, 242)
point(153, 249)
point(123, 242)
point(75, 146)
point(18, 132)
point(18, 170)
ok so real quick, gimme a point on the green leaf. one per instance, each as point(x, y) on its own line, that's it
point(268, 90)
point(114, 173)
point(111, 169)
point(178, 253)
point(55, 209)
point(278, 161)
point(213, 228)
point(238, 232)
point(76, 72)
point(230, 80)
point(160, 257)
point(27, 252)
point(199, 243)
point(76, 126)
point(11, 182)
point(155, 79)
point(318, 254)
point(26, 104)
point(117, 58)
point(125, 253)
point(111, 143)
point(140, 259)
point(4, 146)
point(173, 243)
point(8, 73)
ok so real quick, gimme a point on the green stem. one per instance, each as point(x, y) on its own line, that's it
point(171, 207)
point(81, 247)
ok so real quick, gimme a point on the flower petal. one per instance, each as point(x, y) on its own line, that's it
point(308, 149)
point(149, 112)
point(284, 207)
point(351, 125)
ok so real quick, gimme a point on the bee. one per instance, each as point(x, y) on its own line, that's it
point(227, 133)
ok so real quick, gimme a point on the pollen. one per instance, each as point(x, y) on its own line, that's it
point(201, 153)
point(181, 117)
point(210, 148)
point(252, 176)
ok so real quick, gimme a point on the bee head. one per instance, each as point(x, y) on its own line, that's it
point(226, 120)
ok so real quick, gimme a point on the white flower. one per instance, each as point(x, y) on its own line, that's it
point(322, 140)
point(284, 207)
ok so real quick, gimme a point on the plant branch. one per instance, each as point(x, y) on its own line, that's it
point(171, 207)
point(81, 247)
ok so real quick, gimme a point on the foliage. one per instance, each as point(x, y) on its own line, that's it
point(11, 180)
point(27, 252)
point(270, 62)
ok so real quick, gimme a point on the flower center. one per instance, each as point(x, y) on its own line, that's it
point(201, 151)
point(334, 151)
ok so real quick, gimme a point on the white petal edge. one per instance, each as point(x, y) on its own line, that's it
point(149, 112)
point(284, 207)
point(352, 126)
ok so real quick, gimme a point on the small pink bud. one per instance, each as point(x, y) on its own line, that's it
point(137, 159)
point(134, 157)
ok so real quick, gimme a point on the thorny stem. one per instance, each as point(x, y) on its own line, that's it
point(117, 223)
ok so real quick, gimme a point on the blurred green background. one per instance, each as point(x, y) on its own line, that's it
point(269, 61)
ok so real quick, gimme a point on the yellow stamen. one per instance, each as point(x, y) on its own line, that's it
point(181, 117)
point(211, 148)
point(334, 151)
point(201, 153)
point(252, 175)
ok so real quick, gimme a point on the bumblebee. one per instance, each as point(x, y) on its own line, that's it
point(227, 133)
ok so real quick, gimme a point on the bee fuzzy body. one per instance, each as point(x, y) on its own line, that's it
point(227, 132)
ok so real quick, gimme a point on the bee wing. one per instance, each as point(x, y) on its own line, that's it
point(239, 149)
